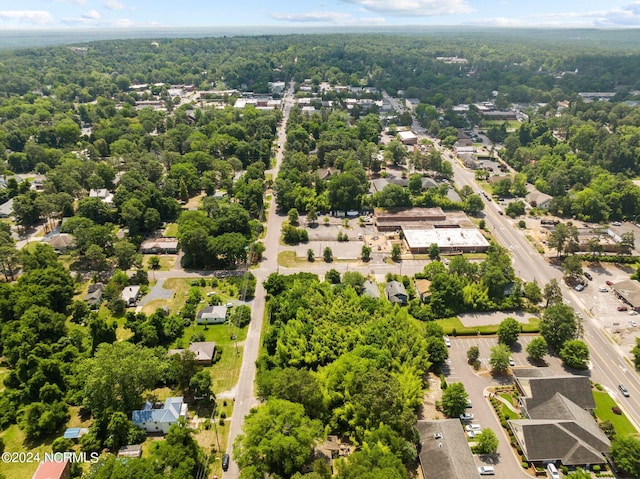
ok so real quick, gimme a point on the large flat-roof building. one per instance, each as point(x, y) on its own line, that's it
point(449, 240)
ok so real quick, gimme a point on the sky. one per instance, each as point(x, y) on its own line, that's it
point(103, 14)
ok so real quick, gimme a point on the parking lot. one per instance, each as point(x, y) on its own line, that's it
point(602, 306)
point(477, 383)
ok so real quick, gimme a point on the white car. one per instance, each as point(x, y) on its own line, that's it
point(511, 362)
point(603, 289)
point(447, 341)
point(486, 470)
point(466, 416)
point(632, 323)
point(473, 427)
point(633, 312)
point(472, 434)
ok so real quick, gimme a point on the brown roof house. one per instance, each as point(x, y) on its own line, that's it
point(423, 287)
point(204, 351)
point(559, 425)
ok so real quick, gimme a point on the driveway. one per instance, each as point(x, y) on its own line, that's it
point(457, 370)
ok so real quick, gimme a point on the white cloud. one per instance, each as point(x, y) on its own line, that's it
point(91, 15)
point(332, 17)
point(414, 8)
point(123, 23)
point(114, 5)
point(31, 17)
point(77, 2)
point(626, 16)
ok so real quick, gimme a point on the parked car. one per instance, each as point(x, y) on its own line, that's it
point(466, 416)
point(225, 462)
point(469, 404)
point(633, 312)
point(447, 341)
point(632, 323)
point(603, 289)
point(473, 434)
point(473, 427)
point(553, 471)
point(622, 308)
point(579, 287)
point(588, 275)
point(623, 390)
point(609, 283)
point(511, 362)
point(486, 470)
point(616, 223)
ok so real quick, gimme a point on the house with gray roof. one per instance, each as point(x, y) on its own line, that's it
point(370, 288)
point(159, 417)
point(444, 451)
point(396, 292)
point(130, 295)
point(558, 425)
point(93, 298)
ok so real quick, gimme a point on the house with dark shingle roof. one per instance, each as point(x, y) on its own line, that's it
point(444, 451)
point(396, 292)
point(558, 425)
point(370, 288)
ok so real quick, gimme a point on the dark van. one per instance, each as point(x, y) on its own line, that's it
point(225, 462)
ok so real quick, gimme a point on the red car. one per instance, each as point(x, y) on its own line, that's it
point(622, 308)
point(609, 283)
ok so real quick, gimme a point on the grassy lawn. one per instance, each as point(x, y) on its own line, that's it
point(14, 442)
point(171, 231)
point(167, 262)
point(226, 370)
point(449, 324)
point(604, 403)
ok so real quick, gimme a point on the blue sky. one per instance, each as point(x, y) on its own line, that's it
point(28, 14)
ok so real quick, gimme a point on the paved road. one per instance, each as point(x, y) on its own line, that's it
point(244, 397)
point(608, 366)
point(505, 462)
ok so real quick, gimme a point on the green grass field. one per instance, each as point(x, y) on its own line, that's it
point(451, 324)
point(603, 411)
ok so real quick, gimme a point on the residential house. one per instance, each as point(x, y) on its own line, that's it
point(160, 416)
point(463, 139)
point(429, 183)
point(159, 246)
point(558, 425)
point(396, 292)
point(212, 315)
point(370, 288)
point(61, 242)
point(538, 199)
point(204, 351)
point(93, 298)
point(444, 451)
point(130, 295)
point(104, 194)
point(53, 470)
point(423, 287)
point(6, 208)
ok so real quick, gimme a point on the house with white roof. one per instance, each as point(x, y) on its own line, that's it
point(159, 417)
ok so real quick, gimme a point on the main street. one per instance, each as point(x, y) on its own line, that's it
point(244, 394)
point(608, 366)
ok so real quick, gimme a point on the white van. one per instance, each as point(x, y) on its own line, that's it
point(553, 471)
